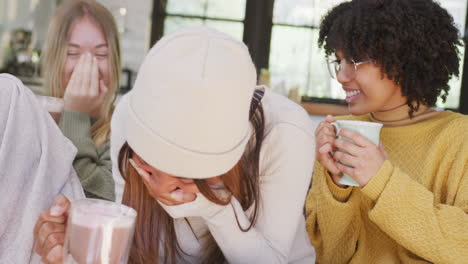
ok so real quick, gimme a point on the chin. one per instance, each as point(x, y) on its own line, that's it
point(356, 110)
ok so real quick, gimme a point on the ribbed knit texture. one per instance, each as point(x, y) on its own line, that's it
point(414, 210)
point(92, 164)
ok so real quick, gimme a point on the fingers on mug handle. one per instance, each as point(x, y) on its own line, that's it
point(337, 128)
point(52, 241)
point(60, 206)
point(54, 256)
point(57, 214)
point(331, 165)
point(329, 118)
point(48, 235)
point(326, 148)
point(345, 169)
point(327, 158)
point(324, 128)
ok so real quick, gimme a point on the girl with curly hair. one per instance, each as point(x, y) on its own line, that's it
point(394, 59)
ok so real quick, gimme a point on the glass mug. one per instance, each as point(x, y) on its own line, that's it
point(98, 232)
point(370, 130)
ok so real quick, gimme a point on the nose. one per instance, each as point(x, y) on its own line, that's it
point(342, 77)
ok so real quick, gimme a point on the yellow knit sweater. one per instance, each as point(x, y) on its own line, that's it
point(414, 210)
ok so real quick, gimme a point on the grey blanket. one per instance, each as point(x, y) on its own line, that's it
point(35, 165)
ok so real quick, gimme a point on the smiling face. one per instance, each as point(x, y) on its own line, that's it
point(86, 37)
point(370, 90)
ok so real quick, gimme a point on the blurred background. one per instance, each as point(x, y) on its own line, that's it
point(281, 36)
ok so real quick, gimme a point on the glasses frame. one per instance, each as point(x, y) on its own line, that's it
point(334, 66)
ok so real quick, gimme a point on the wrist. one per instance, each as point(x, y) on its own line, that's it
point(336, 180)
point(74, 108)
point(340, 194)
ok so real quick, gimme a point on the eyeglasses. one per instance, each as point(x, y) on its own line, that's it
point(348, 68)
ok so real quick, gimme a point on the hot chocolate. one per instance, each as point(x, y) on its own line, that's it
point(99, 233)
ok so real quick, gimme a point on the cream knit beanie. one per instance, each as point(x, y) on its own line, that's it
point(189, 108)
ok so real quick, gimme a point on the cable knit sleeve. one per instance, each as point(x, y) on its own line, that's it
point(332, 212)
point(92, 164)
point(405, 210)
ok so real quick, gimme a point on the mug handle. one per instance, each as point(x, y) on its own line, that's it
point(337, 128)
point(346, 179)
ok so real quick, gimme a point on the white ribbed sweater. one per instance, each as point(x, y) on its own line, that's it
point(286, 164)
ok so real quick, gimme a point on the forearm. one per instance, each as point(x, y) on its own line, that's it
point(95, 178)
point(405, 210)
point(243, 247)
point(332, 218)
point(252, 246)
point(92, 164)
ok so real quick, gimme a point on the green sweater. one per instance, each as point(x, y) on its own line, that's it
point(92, 164)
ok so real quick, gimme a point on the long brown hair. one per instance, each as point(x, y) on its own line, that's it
point(55, 52)
point(155, 228)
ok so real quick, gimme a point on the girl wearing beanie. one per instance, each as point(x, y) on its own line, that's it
point(394, 59)
point(217, 168)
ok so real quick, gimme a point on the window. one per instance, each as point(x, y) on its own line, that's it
point(457, 8)
point(282, 37)
point(297, 62)
point(224, 15)
point(295, 59)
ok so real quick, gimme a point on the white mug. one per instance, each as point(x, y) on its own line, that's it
point(370, 130)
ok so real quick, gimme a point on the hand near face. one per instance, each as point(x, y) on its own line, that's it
point(160, 191)
point(85, 92)
point(325, 137)
point(49, 232)
point(169, 190)
point(364, 157)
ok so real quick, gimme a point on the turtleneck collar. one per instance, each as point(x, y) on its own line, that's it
point(399, 116)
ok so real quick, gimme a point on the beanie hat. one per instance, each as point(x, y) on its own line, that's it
point(189, 108)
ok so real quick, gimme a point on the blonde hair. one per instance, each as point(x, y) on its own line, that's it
point(55, 52)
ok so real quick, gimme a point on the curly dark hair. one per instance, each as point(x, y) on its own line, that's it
point(415, 42)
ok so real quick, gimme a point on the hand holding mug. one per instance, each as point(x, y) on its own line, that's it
point(49, 232)
point(325, 136)
point(358, 155)
point(364, 157)
point(85, 92)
